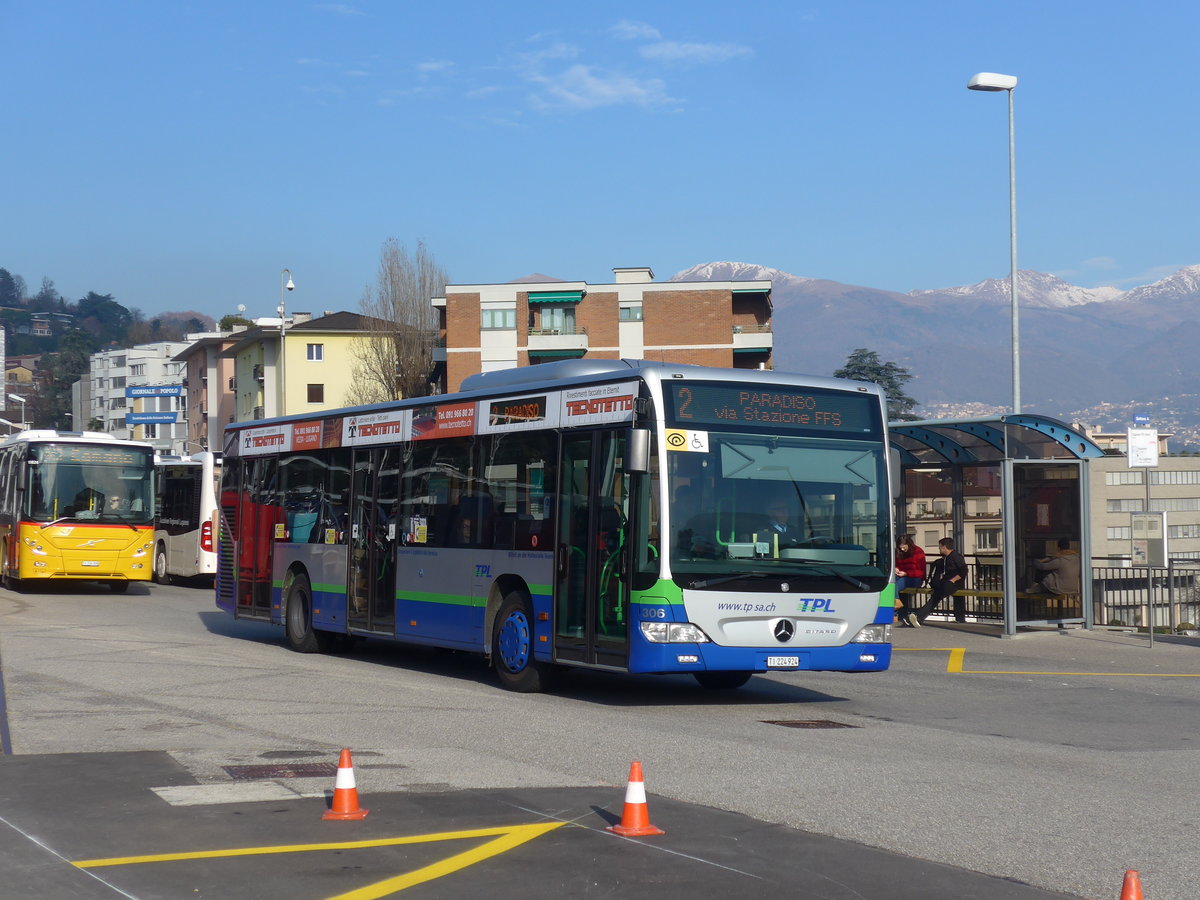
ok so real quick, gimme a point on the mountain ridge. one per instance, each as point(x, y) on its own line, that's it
point(1083, 350)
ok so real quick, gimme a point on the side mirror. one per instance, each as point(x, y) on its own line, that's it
point(637, 451)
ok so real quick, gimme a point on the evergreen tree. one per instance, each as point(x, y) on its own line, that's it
point(12, 289)
point(865, 365)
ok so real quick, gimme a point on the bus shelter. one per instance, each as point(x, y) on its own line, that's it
point(1010, 490)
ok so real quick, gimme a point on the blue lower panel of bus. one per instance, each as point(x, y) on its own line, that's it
point(649, 658)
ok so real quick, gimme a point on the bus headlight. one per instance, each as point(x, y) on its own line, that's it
point(673, 633)
point(874, 634)
point(35, 547)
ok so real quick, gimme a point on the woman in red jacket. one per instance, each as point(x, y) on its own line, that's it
point(910, 569)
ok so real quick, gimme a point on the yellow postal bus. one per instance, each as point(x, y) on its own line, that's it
point(75, 506)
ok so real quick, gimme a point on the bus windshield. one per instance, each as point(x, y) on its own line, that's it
point(811, 510)
point(88, 483)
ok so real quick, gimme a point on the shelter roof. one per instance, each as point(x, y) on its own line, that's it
point(989, 440)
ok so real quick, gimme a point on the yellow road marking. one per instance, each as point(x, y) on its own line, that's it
point(504, 839)
point(954, 666)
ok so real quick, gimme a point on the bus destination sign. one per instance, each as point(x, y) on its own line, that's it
point(520, 411)
point(807, 409)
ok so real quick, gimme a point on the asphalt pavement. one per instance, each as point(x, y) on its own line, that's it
point(91, 826)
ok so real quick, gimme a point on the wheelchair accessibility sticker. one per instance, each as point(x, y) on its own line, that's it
point(689, 441)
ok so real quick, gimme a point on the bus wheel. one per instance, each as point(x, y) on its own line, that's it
point(118, 587)
point(160, 565)
point(10, 581)
point(301, 636)
point(722, 681)
point(512, 648)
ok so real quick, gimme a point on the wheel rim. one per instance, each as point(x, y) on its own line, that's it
point(160, 564)
point(514, 641)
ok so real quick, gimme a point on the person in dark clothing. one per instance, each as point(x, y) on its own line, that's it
point(946, 576)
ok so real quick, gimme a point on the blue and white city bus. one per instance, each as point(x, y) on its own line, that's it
point(606, 514)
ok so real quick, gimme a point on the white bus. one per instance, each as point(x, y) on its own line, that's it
point(607, 514)
point(185, 527)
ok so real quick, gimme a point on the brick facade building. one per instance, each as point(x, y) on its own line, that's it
point(486, 327)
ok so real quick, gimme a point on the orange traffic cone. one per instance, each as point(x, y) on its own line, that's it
point(635, 821)
point(1132, 889)
point(345, 794)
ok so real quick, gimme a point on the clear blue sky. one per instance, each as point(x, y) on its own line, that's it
point(180, 154)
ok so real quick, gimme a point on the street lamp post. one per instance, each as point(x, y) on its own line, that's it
point(285, 284)
point(991, 81)
point(21, 400)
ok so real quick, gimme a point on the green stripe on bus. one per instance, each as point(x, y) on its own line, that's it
point(665, 592)
point(325, 588)
point(447, 599)
point(887, 597)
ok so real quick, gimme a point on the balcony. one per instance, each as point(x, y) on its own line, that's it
point(258, 373)
point(752, 338)
point(258, 413)
point(565, 343)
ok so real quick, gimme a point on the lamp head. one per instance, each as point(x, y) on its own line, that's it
point(991, 81)
point(291, 285)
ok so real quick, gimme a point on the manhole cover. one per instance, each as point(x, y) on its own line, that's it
point(807, 723)
point(282, 770)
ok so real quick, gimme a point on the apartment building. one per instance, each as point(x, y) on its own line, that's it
point(207, 388)
point(487, 327)
point(135, 393)
point(295, 366)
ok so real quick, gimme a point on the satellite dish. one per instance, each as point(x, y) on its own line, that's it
point(241, 308)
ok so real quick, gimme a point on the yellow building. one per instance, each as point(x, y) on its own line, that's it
point(313, 371)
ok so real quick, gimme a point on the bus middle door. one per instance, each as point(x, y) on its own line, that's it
point(371, 574)
point(591, 601)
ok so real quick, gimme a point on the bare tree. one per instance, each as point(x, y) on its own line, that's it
point(395, 358)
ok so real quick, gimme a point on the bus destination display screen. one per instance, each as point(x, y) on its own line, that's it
point(83, 454)
point(696, 404)
point(514, 412)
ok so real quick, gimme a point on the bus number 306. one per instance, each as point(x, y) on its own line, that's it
point(653, 612)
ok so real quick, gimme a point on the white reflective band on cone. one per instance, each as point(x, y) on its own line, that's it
point(635, 792)
point(345, 779)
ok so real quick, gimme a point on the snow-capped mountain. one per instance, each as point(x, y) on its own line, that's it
point(1080, 347)
point(1033, 289)
point(1182, 285)
point(739, 271)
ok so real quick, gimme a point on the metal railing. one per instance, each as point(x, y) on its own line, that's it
point(1167, 596)
point(558, 332)
point(1122, 596)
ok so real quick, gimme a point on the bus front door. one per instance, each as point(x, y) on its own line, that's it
point(591, 598)
point(371, 591)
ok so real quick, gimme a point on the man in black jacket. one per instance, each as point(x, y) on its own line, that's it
point(947, 575)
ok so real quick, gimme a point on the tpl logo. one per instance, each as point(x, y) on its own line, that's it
point(816, 604)
point(483, 571)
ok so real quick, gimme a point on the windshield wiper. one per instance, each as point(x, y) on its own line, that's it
point(826, 565)
point(831, 567)
point(741, 576)
point(116, 515)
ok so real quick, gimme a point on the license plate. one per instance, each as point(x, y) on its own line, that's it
point(783, 662)
point(93, 563)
